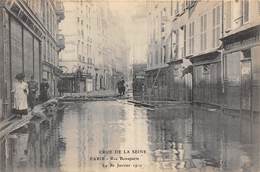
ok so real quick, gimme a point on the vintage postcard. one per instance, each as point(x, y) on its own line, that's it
point(129, 85)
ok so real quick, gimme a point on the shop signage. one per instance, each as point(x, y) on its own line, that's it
point(250, 41)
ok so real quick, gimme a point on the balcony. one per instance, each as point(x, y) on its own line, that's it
point(60, 11)
point(60, 42)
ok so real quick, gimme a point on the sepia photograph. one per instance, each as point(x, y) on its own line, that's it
point(129, 85)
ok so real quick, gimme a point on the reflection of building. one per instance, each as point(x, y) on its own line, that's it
point(29, 43)
point(203, 139)
point(172, 137)
point(34, 146)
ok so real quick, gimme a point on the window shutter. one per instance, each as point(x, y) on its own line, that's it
point(228, 15)
point(258, 5)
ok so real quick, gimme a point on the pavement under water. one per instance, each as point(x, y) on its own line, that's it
point(117, 136)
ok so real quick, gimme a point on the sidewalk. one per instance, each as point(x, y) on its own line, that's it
point(104, 93)
point(99, 93)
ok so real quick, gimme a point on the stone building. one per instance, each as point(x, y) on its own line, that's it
point(93, 43)
point(241, 42)
point(29, 43)
point(77, 29)
point(205, 52)
point(156, 86)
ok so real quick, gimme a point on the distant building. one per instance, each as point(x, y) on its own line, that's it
point(95, 44)
point(30, 43)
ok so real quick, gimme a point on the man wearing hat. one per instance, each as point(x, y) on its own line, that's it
point(33, 88)
point(20, 92)
point(44, 86)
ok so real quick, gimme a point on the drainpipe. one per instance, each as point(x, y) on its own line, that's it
point(222, 49)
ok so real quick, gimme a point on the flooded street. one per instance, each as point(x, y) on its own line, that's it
point(116, 136)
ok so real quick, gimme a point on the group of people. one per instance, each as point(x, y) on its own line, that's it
point(121, 87)
point(25, 94)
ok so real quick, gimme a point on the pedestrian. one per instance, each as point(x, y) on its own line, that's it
point(123, 86)
point(119, 87)
point(44, 87)
point(33, 88)
point(20, 91)
point(60, 87)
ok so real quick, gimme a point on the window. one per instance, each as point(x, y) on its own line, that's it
point(216, 26)
point(48, 51)
point(183, 7)
point(245, 11)
point(44, 49)
point(191, 38)
point(47, 16)
point(183, 41)
point(177, 8)
point(43, 11)
point(258, 7)
point(203, 32)
point(156, 57)
point(232, 67)
point(228, 13)
point(190, 3)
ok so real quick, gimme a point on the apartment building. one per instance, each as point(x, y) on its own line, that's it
point(158, 19)
point(78, 32)
point(241, 43)
point(30, 43)
point(205, 52)
point(93, 44)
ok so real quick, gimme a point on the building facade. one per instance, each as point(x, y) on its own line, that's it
point(241, 44)
point(157, 66)
point(94, 44)
point(205, 52)
point(29, 43)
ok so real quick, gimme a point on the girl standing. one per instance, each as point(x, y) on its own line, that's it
point(20, 96)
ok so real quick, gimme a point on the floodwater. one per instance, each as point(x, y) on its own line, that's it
point(116, 136)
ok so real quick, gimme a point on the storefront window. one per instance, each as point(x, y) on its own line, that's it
point(28, 54)
point(232, 67)
point(16, 47)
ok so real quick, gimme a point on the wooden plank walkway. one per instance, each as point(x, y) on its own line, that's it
point(12, 123)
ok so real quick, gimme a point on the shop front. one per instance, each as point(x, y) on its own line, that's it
point(241, 70)
point(20, 39)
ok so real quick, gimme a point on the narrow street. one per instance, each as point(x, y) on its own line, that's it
point(117, 136)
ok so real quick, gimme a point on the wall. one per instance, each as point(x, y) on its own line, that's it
point(207, 83)
point(256, 78)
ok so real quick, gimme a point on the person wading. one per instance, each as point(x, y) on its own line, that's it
point(20, 92)
point(33, 88)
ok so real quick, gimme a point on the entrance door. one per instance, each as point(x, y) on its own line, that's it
point(246, 85)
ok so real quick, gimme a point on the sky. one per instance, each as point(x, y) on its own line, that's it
point(135, 30)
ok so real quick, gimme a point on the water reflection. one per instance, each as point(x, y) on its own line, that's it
point(34, 147)
point(174, 139)
point(198, 139)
